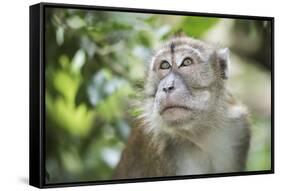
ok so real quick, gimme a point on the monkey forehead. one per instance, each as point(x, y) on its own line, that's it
point(174, 50)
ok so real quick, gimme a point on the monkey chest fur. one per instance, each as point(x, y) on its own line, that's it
point(223, 150)
point(215, 154)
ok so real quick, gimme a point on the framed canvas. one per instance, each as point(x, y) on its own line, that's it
point(121, 95)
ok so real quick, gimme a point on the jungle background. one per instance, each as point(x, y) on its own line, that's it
point(95, 68)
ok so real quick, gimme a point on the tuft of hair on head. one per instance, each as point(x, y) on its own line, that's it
point(179, 33)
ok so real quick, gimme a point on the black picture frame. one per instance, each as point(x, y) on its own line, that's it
point(37, 94)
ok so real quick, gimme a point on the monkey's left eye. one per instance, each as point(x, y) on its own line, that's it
point(186, 62)
point(165, 65)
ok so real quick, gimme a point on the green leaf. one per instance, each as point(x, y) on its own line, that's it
point(197, 26)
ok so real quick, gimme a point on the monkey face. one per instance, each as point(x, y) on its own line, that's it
point(183, 80)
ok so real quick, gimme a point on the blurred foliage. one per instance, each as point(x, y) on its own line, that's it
point(253, 41)
point(95, 62)
point(197, 26)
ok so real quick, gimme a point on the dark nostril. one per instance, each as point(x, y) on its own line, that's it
point(168, 89)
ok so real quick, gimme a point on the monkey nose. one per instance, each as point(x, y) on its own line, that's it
point(168, 89)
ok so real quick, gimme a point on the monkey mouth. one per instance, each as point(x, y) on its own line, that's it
point(174, 107)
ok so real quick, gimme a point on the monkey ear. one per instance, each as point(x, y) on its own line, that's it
point(223, 62)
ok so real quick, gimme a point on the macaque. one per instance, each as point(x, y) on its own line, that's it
point(190, 124)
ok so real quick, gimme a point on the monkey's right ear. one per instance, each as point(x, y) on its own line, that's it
point(223, 62)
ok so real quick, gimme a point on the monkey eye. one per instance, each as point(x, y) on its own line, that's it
point(165, 65)
point(186, 62)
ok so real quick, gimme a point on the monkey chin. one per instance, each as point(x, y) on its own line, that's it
point(176, 116)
